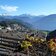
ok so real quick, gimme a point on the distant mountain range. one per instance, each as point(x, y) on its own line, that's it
point(46, 23)
point(37, 22)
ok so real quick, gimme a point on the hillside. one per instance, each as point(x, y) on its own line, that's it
point(7, 22)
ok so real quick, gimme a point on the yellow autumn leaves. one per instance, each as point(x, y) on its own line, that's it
point(35, 39)
point(30, 40)
point(26, 44)
point(52, 45)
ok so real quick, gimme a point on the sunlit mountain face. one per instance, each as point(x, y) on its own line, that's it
point(38, 22)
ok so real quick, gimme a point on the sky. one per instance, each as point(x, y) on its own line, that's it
point(32, 7)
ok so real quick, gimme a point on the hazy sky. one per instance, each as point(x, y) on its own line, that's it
point(33, 7)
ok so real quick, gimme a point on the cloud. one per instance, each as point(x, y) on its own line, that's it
point(9, 8)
